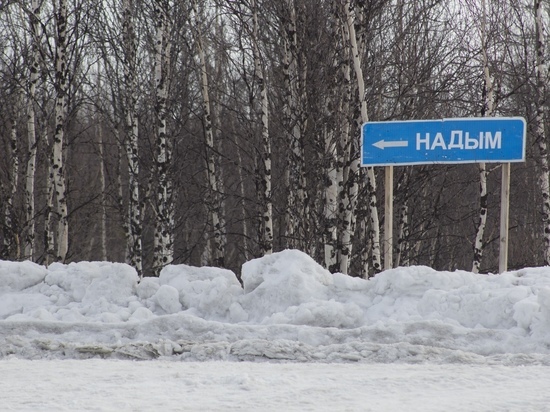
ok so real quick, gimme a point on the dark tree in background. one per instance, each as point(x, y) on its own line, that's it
point(214, 132)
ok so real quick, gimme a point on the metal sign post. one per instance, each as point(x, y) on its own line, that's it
point(445, 141)
point(504, 218)
point(388, 218)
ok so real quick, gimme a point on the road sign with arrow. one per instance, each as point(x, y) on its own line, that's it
point(469, 140)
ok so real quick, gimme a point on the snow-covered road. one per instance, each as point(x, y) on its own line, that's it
point(116, 385)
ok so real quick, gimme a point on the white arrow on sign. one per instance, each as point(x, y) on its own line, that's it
point(382, 144)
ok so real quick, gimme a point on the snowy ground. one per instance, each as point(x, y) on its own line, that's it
point(107, 385)
point(73, 337)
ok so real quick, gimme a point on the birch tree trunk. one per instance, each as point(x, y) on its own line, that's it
point(402, 257)
point(266, 226)
point(120, 155)
point(334, 108)
point(103, 220)
point(31, 131)
point(49, 238)
point(62, 241)
point(487, 111)
point(164, 225)
point(347, 170)
point(541, 73)
point(242, 194)
point(219, 127)
point(349, 12)
point(11, 240)
point(295, 78)
point(331, 201)
point(134, 223)
point(213, 201)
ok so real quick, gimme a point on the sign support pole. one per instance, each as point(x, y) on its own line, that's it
point(388, 218)
point(504, 218)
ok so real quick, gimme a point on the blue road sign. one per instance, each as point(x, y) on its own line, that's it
point(467, 140)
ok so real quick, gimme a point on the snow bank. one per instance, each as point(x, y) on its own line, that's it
point(289, 307)
point(206, 292)
point(16, 276)
point(276, 286)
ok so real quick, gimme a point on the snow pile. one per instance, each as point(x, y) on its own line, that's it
point(289, 287)
point(288, 308)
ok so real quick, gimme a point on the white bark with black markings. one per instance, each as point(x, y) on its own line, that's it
point(58, 149)
point(294, 69)
point(34, 25)
point(134, 224)
point(163, 241)
point(487, 111)
point(266, 204)
point(541, 73)
point(374, 233)
point(11, 239)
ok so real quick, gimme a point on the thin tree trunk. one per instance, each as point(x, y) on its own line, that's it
point(120, 154)
point(11, 248)
point(31, 131)
point(402, 258)
point(541, 73)
point(164, 227)
point(242, 194)
point(365, 252)
point(334, 108)
point(103, 223)
point(266, 235)
point(349, 10)
point(482, 222)
point(405, 102)
point(49, 238)
point(219, 128)
point(487, 111)
point(218, 253)
point(346, 173)
point(298, 201)
point(289, 220)
point(331, 201)
point(134, 223)
point(62, 241)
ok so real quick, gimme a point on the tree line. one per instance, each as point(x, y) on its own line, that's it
point(212, 132)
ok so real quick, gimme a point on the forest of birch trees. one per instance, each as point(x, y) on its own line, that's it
point(211, 132)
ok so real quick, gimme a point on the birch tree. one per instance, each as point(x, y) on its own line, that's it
point(402, 182)
point(58, 170)
point(487, 111)
point(164, 227)
point(34, 26)
point(330, 211)
point(134, 225)
point(403, 230)
point(102, 181)
point(48, 234)
point(349, 15)
point(266, 218)
point(541, 74)
point(335, 139)
point(295, 77)
point(281, 64)
point(11, 237)
point(341, 172)
point(12, 44)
